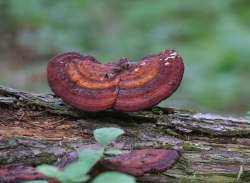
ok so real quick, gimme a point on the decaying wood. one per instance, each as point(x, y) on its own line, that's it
point(40, 128)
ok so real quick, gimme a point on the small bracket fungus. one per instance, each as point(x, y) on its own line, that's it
point(86, 84)
point(139, 162)
point(21, 173)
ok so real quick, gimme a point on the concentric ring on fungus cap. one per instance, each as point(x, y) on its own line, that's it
point(88, 85)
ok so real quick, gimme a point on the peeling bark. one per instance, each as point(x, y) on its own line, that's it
point(40, 128)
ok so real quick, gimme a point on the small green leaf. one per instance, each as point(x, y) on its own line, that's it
point(248, 115)
point(74, 177)
point(105, 136)
point(51, 171)
point(114, 177)
point(113, 152)
point(156, 110)
point(77, 171)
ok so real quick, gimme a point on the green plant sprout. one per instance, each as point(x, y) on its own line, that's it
point(248, 115)
point(78, 171)
point(106, 136)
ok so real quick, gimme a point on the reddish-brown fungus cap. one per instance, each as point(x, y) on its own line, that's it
point(148, 82)
point(20, 173)
point(90, 86)
point(82, 82)
point(139, 162)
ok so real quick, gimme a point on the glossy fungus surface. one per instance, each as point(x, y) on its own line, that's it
point(86, 84)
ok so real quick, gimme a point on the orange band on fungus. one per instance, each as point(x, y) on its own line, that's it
point(88, 85)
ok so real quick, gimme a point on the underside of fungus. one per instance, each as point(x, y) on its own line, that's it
point(86, 84)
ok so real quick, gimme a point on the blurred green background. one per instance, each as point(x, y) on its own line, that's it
point(212, 36)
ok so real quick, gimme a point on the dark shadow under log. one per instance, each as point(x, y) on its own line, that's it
point(36, 129)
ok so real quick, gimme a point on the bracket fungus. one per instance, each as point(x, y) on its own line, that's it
point(84, 83)
point(139, 162)
point(21, 173)
point(136, 162)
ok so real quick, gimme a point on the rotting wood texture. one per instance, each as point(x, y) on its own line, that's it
point(37, 128)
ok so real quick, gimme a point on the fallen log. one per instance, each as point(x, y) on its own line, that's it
point(40, 128)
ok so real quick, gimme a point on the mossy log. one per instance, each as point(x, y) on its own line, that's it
point(40, 128)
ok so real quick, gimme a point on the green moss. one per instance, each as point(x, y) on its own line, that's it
point(48, 158)
point(157, 110)
point(207, 179)
point(169, 132)
point(185, 166)
point(167, 146)
point(245, 177)
point(190, 147)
